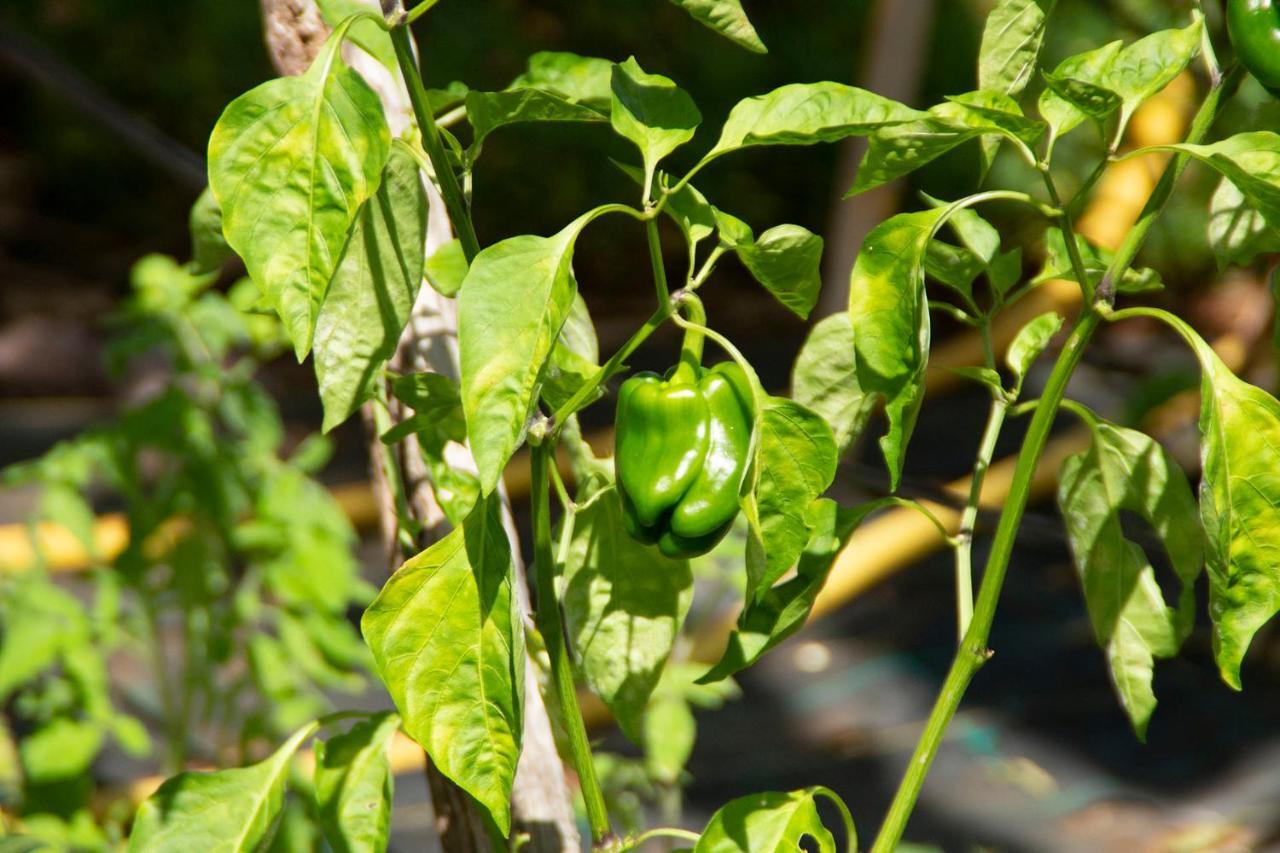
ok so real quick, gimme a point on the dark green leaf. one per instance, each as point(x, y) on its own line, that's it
point(372, 291)
point(449, 645)
point(290, 163)
point(786, 259)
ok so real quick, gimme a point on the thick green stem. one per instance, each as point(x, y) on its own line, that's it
point(691, 348)
point(1137, 235)
point(973, 651)
point(454, 199)
point(661, 289)
point(550, 625)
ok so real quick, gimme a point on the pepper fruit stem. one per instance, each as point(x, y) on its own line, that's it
point(694, 338)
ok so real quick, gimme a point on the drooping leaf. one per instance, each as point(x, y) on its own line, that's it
point(891, 323)
point(773, 822)
point(488, 111)
point(624, 604)
point(1011, 43)
point(512, 304)
point(795, 463)
point(1030, 342)
point(1238, 232)
point(222, 811)
point(372, 291)
point(767, 621)
point(825, 378)
point(290, 164)
point(449, 645)
point(900, 149)
point(209, 249)
point(1125, 470)
point(808, 113)
point(727, 18)
point(1239, 503)
point(652, 112)
point(355, 785)
point(786, 259)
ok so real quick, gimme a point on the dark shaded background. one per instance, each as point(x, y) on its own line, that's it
point(1042, 757)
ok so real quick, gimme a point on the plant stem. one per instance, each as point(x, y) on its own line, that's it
point(969, 517)
point(973, 651)
point(551, 627)
point(661, 289)
point(450, 190)
point(1133, 241)
point(1068, 233)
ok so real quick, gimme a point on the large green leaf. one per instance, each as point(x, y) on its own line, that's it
point(513, 302)
point(218, 812)
point(372, 291)
point(448, 644)
point(1238, 232)
point(624, 604)
point(355, 785)
point(795, 463)
point(808, 113)
point(899, 149)
point(825, 378)
point(783, 609)
point(651, 111)
point(1123, 470)
point(787, 260)
point(891, 323)
point(1011, 43)
point(773, 822)
point(1251, 161)
point(290, 164)
point(727, 18)
point(1239, 503)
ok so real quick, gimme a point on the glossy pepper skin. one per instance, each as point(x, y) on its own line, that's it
point(682, 444)
point(1254, 26)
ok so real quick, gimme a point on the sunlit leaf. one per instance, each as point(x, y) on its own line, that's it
point(787, 260)
point(825, 378)
point(581, 79)
point(1030, 342)
point(1251, 161)
point(1011, 43)
point(574, 359)
point(772, 822)
point(355, 785)
point(652, 112)
point(727, 18)
point(1238, 232)
point(488, 111)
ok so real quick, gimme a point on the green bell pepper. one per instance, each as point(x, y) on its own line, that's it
point(1254, 26)
point(682, 444)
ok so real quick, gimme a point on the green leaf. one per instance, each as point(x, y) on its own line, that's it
point(786, 259)
point(1075, 90)
point(808, 113)
point(40, 622)
point(687, 207)
point(1251, 161)
point(448, 643)
point(446, 269)
point(1125, 470)
point(651, 111)
point(731, 230)
point(727, 18)
point(61, 749)
point(795, 463)
point(513, 302)
point(953, 266)
point(772, 822)
point(1239, 503)
point(984, 376)
point(783, 609)
point(355, 785)
point(372, 291)
point(209, 249)
point(581, 79)
point(436, 405)
point(825, 378)
point(367, 35)
point(1057, 265)
point(226, 810)
point(1011, 43)
point(488, 111)
point(976, 234)
point(902, 148)
point(574, 359)
point(1238, 232)
point(890, 321)
point(624, 604)
point(1030, 342)
point(670, 731)
point(290, 163)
